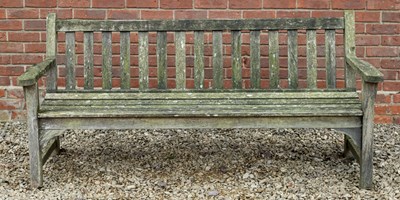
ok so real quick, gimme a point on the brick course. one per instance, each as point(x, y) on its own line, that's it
point(22, 40)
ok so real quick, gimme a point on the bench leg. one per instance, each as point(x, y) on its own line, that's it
point(35, 154)
point(58, 146)
point(366, 164)
point(346, 147)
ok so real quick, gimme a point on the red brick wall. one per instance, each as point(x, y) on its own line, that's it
point(22, 36)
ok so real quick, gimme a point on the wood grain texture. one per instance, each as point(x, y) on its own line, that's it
point(330, 58)
point(206, 94)
point(162, 59)
point(368, 72)
point(199, 59)
point(203, 122)
point(234, 101)
point(218, 76)
point(273, 59)
point(51, 51)
point(311, 59)
point(47, 135)
point(107, 60)
point(32, 74)
point(180, 60)
point(70, 60)
point(49, 149)
point(349, 47)
point(88, 72)
point(255, 71)
point(200, 25)
point(35, 154)
point(143, 60)
point(368, 95)
point(236, 59)
point(292, 59)
point(125, 60)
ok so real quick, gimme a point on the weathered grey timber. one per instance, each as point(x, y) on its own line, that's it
point(292, 59)
point(51, 51)
point(88, 60)
point(368, 99)
point(273, 59)
point(162, 59)
point(143, 60)
point(311, 59)
point(35, 154)
point(180, 60)
point(349, 47)
point(236, 60)
point(255, 59)
point(150, 104)
point(32, 75)
point(199, 59)
point(200, 25)
point(70, 60)
point(107, 61)
point(125, 60)
point(330, 58)
point(368, 72)
point(218, 77)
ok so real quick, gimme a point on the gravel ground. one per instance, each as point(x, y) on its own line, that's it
point(199, 164)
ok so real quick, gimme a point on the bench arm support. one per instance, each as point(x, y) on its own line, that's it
point(368, 72)
point(32, 75)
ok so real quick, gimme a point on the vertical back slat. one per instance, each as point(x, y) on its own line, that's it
point(162, 59)
point(107, 60)
point(125, 41)
point(70, 60)
point(292, 59)
point(349, 47)
point(311, 59)
point(180, 59)
point(88, 60)
point(273, 59)
point(255, 77)
point(330, 58)
point(217, 60)
point(199, 59)
point(51, 51)
point(236, 58)
point(143, 60)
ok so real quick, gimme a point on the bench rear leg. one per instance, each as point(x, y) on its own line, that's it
point(35, 154)
point(346, 145)
point(57, 150)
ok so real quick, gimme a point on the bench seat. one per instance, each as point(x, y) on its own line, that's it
point(200, 104)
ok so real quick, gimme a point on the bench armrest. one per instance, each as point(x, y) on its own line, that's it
point(368, 72)
point(31, 75)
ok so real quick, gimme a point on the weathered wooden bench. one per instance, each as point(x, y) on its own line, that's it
point(268, 105)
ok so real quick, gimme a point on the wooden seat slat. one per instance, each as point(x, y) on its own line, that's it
point(168, 112)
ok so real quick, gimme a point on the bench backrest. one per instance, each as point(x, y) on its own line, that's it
point(223, 62)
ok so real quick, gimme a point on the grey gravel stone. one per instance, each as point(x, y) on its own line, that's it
point(199, 164)
point(213, 193)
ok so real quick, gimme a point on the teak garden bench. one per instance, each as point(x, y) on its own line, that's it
point(258, 106)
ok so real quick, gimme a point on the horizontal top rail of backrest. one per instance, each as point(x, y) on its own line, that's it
point(200, 25)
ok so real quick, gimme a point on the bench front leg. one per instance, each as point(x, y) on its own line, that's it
point(35, 155)
point(368, 99)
